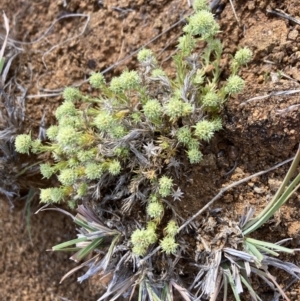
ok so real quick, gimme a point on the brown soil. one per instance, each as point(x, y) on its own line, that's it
point(257, 133)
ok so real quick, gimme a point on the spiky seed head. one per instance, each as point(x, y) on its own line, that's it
point(235, 84)
point(140, 242)
point(165, 185)
point(145, 55)
point(114, 167)
point(86, 155)
point(202, 23)
point(184, 135)
point(194, 155)
point(151, 235)
point(68, 176)
point(205, 129)
point(117, 131)
point(67, 108)
point(176, 108)
point(169, 245)
point(153, 109)
point(194, 143)
point(200, 5)
point(104, 121)
point(45, 195)
point(46, 170)
point(71, 94)
point(97, 80)
point(57, 194)
point(52, 132)
point(171, 228)
point(23, 143)
point(136, 117)
point(243, 56)
point(73, 162)
point(121, 152)
point(116, 85)
point(67, 136)
point(93, 170)
point(36, 146)
point(155, 210)
point(211, 100)
point(130, 79)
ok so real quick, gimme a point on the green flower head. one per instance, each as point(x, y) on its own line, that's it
point(140, 242)
point(68, 176)
point(205, 129)
point(23, 143)
point(153, 109)
point(243, 56)
point(97, 80)
point(145, 55)
point(171, 228)
point(57, 194)
point(116, 85)
point(165, 185)
point(184, 135)
point(118, 131)
point(86, 155)
point(202, 23)
point(36, 146)
point(169, 245)
point(71, 94)
point(234, 85)
point(211, 100)
point(194, 155)
point(67, 136)
point(67, 108)
point(151, 235)
point(104, 121)
point(114, 167)
point(46, 170)
point(176, 108)
point(52, 132)
point(155, 210)
point(93, 171)
point(130, 80)
point(45, 195)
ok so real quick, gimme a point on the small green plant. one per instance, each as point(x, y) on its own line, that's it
point(119, 151)
point(130, 127)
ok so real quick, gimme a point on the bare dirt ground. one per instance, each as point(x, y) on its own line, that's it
point(64, 41)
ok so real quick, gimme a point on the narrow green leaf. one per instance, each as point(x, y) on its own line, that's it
point(254, 251)
point(61, 246)
point(2, 61)
point(152, 293)
point(278, 200)
point(74, 249)
point(270, 245)
point(78, 221)
point(250, 289)
point(232, 284)
point(85, 251)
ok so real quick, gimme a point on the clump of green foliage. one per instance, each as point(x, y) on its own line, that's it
point(129, 135)
point(120, 148)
